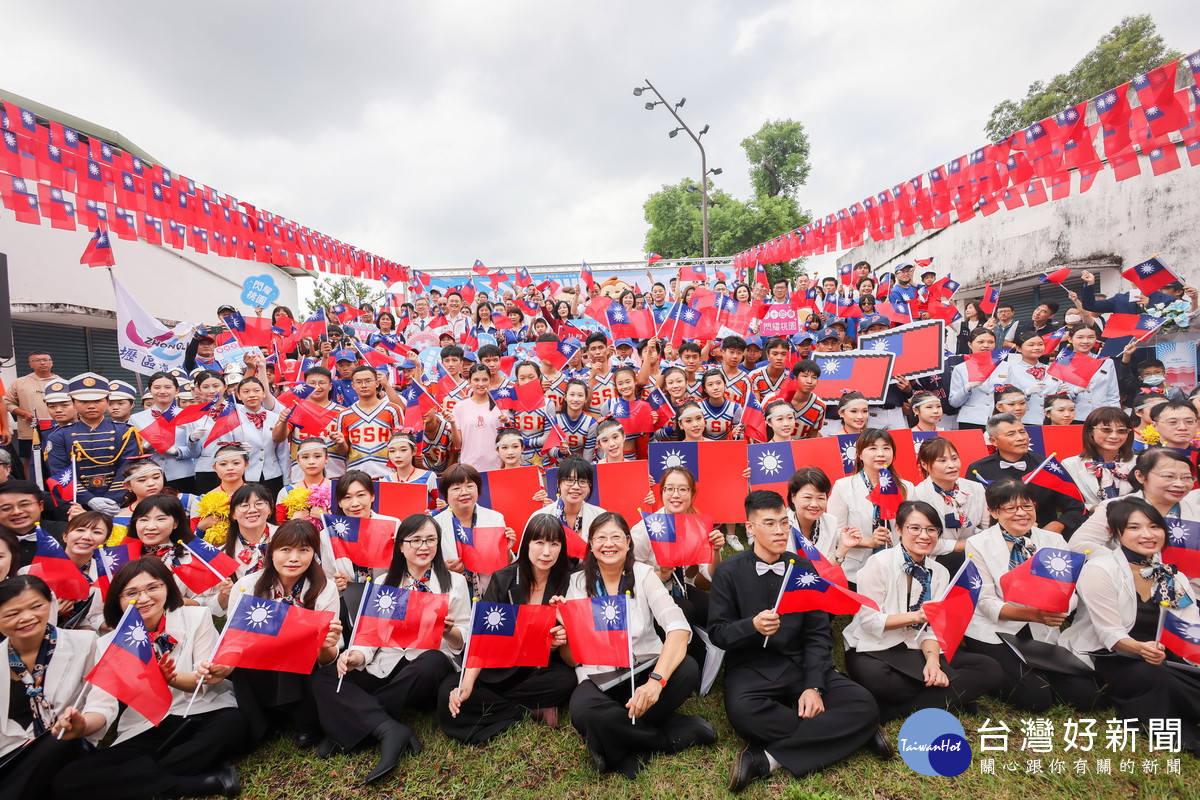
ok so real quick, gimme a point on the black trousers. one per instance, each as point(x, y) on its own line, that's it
point(763, 711)
point(971, 426)
point(1032, 689)
point(366, 701)
point(495, 706)
point(273, 484)
point(603, 720)
point(28, 775)
point(1151, 692)
point(889, 678)
point(142, 767)
point(271, 699)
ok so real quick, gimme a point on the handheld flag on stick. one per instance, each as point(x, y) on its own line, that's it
point(129, 671)
point(950, 616)
point(1045, 581)
point(504, 635)
point(99, 252)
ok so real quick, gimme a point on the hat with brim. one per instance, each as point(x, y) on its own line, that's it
point(88, 386)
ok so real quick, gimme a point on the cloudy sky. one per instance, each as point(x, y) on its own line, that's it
point(436, 133)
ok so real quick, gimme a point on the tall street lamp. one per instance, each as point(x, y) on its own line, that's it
point(683, 126)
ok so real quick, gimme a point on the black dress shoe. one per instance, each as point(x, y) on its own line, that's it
point(881, 746)
point(690, 731)
point(630, 766)
point(750, 765)
point(223, 782)
point(327, 748)
point(395, 739)
point(308, 739)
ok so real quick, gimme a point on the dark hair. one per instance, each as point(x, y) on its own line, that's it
point(249, 380)
point(341, 486)
point(1150, 458)
point(399, 566)
point(181, 531)
point(808, 476)
point(484, 369)
point(1050, 305)
point(450, 351)
point(14, 586)
point(132, 465)
point(456, 474)
point(244, 494)
point(762, 500)
point(487, 351)
point(1114, 417)
point(587, 393)
point(1007, 490)
point(387, 314)
point(1048, 400)
point(773, 343)
point(595, 337)
point(1023, 337)
point(114, 606)
point(606, 425)
point(318, 371)
point(1150, 363)
point(17, 486)
point(679, 413)
point(160, 375)
point(541, 528)
point(87, 519)
point(909, 507)
point(690, 347)
point(711, 373)
point(932, 449)
point(9, 539)
point(767, 415)
point(1119, 511)
point(1181, 405)
point(733, 343)
point(1007, 389)
point(591, 569)
point(204, 374)
point(806, 365)
point(294, 533)
point(536, 368)
point(577, 469)
point(978, 332)
point(847, 399)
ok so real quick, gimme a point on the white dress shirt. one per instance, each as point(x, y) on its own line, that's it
point(883, 579)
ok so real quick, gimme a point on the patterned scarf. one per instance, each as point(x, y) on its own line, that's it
point(162, 641)
point(34, 682)
point(163, 552)
point(292, 598)
point(1022, 549)
point(956, 501)
point(420, 584)
point(1037, 372)
point(254, 556)
point(918, 571)
point(1163, 588)
point(1107, 474)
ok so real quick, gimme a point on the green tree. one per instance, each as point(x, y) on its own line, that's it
point(1132, 47)
point(778, 156)
point(344, 289)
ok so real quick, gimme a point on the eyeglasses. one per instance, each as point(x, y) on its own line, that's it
point(917, 530)
point(23, 505)
point(1113, 431)
point(420, 544)
point(571, 483)
point(616, 538)
point(1174, 478)
point(676, 490)
point(152, 589)
point(771, 524)
point(1015, 508)
point(1177, 423)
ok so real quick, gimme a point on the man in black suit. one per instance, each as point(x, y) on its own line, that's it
point(1013, 459)
point(21, 509)
point(786, 699)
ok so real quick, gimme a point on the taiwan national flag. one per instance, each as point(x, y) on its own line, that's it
point(1180, 636)
point(980, 366)
point(679, 540)
point(950, 616)
point(825, 568)
point(51, 564)
point(345, 313)
point(393, 617)
point(417, 403)
point(1056, 276)
point(1045, 580)
point(271, 635)
point(481, 549)
point(868, 373)
point(110, 559)
point(846, 273)
point(510, 492)
point(315, 326)
point(661, 406)
point(753, 419)
point(479, 268)
point(918, 347)
point(693, 272)
point(585, 275)
point(505, 397)
point(1150, 275)
point(208, 566)
point(1140, 326)
point(717, 467)
point(1075, 368)
point(635, 416)
point(557, 354)
point(625, 323)
point(772, 465)
point(886, 494)
point(224, 421)
point(1183, 545)
point(991, 296)
point(129, 672)
point(64, 485)
point(806, 590)
point(249, 331)
point(366, 541)
point(99, 252)
point(504, 635)
point(523, 278)
point(311, 418)
point(530, 396)
point(653, 258)
point(160, 433)
point(1053, 476)
point(598, 630)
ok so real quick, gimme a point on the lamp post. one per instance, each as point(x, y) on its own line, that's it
point(704, 170)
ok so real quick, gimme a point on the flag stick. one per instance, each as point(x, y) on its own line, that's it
point(74, 481)
point(362, 601)
point(1029, 477)
point(83, 689)
point(467, 646)
point(200, 681)
point(629, 641)
point(1162, 618)
point(782, 588)
point(35, 459)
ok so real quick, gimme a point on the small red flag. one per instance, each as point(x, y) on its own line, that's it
point(393, 617)
point(129, 671)
point(598, 629)
point(267, 634)
point(504, 635)
point(99, 252)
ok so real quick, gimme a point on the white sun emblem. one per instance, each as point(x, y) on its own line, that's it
point(672, 458)
point(1059, 566)
point(494, 619)
point(385, 603)
point(138, 635)
point(830, 367)
point(849, 453)
point(1178, 534)
point(1192, 633)
point(109, 559)
point(656, 527)
point(976, 583)
point(460, 533)
point(1054, 468)
point(770, 463)
point(610, 613)
point(807, 579)
point(879, 347)
point(1147, 269)
point(341, 528)
point(260, 615)
point(885, 480)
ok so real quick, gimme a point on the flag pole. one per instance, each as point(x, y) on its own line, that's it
point(467, 646)
point(199, 681)
point(782, 588)
point(35, 459)
point(629, 642)
point(74, 481)
point(1162, 618)
point(84, 687)
point(1029, 477)
point(196, 555)
point(362, 601)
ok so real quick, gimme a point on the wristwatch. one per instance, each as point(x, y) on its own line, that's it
point(654, 676)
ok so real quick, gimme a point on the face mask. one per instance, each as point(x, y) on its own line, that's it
point(1072, 319)
point(1153, 380)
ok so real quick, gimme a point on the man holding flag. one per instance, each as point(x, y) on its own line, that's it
point(784, 697)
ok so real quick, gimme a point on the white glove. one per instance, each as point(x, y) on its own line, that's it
point(104, 506)
point(195, 435)
point(1036, 388)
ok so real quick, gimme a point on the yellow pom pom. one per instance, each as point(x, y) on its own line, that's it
point(217, 534)
point(119, 532)
point(1163, 603)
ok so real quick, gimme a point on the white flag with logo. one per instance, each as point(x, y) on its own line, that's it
point(146, 345)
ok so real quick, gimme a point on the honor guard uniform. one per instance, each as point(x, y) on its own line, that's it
point(119, 391)
point(97, 445)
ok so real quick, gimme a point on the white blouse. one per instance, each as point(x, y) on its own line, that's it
point(975, 510)
point(850, 507)
point(883, 579)
point(1089, 484)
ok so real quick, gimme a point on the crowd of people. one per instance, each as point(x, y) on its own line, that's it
point(422, 393)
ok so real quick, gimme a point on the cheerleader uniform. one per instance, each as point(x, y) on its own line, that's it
point(533, 425)
point(578, 436)
point(720, 421)
point(367, 434)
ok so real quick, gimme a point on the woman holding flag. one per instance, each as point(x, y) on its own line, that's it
point(574, 428)
point(187, 753)
point(143, 477)
point(533, 424)
point(209, 387)
point(461, 486)
point(1101, 389)
point(291, 574)
point(490, 701)
point(576, 478)
point(808, 512)
point(973, 397)
point(312, 455)
point(84, 533)
point(1102, 470)
point(510, 448)
point(43, 727)
point(960, 502)
point(402, 467)
point(354, 496)
point(250, 512)
point(475, 420)
point(179, 460)
point(891, 651)
point(995, 551)
point(1126, 595)
point(161, 525)
point(1027, 373)
point(268, 459)
point(379, 684)
point(622, 725)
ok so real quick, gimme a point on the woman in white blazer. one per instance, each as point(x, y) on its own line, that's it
point(85, 532)
point(973, 399)
point(382, 683)
point(291, 573)
point(179, 461)
point(808, 512)
point(1123, 595)
point(576, 478)
point(958, 501)
point(161, 525)
point(52, 663)
point(183, 638)
point(209, 387)
point(461, 485)
point(268, 459)
point(849, 503)
point(353, 496)
point(1102, 470)
point(994, 551)
point(891, 651)
point(1027, 373)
